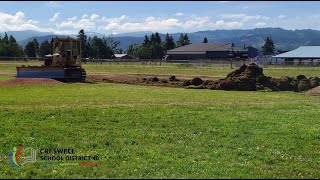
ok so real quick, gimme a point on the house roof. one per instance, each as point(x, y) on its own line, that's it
point(202, 48)
point(119, 55)
point(301, 52)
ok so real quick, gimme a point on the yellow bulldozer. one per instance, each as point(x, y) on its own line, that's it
point(64, 62)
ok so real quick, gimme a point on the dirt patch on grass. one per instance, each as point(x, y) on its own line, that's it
point(314, 91)
point(140, 79)
point(30, 81)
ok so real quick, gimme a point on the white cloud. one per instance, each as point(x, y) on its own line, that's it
point(151, 18)
point(282, 16)
point(151, 23)
point(115, 25)
point(260, 24)
point(227, 25)
point(94, 17)
point(115, 20)
point(18, 22)
point(53, 4)
point(179, 14)
point(245, 17)
point(73, 18)
point(86, 22)
point(54, 17)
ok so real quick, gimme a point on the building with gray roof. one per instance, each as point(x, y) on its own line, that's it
point(208, 51)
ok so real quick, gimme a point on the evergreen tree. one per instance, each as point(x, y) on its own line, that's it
point(9, 47)
point(186, 40)
point(157, 51)
point(83, 40)
point(36, 46)
point(152, 38)
point(45, 48)
point(168, 43)
point(183, 40)
point(268, 47)
point(157, 38)
point(30, 49)
point(205, 40)
point(89, 51)
point(146, 41)
point(5, 39)
point(14, 50)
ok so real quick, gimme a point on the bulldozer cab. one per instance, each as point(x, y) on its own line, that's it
point(64, 52)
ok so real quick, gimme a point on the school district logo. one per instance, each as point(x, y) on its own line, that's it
point(19, 156)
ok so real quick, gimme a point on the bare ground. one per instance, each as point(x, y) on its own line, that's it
point(141, 79)
point(30, 81)
point(314, 92)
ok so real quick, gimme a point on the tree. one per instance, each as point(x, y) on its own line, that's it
point(157, 51)
point(9, 47)
point(113, 44)
point(133, 50)
point(146, 41)
point(183, 40)
point(157, 38)
point(30, 49)
point(14, 49)
point(5, 39)
point(100, 49)
point(186, 40)
point(36, 46)
point(152, 38)
point(168, 43)
point(83, 39)
point(205, 40)
point(89, 51)
point(268, 47)
point(45, 48)
point(120, 51)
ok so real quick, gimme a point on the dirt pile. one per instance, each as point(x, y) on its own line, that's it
point(30, 81)
point(251, 78)
point(173, 79)
point(314, 91)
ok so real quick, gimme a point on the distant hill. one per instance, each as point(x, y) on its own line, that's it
point(40, 39)
point(132, 34)
point(22, 35)
point(283, 39)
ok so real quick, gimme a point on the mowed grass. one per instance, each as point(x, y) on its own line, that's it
point(170, 69)
point(159, 132)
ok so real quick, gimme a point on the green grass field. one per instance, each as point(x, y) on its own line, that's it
point(159, 132)
point(170, 69)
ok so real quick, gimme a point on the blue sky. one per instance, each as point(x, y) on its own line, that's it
point(176, 16)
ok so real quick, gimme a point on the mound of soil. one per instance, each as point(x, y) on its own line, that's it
point(29, 81)
point(314, 91)
point(173, 78)
point(196, 81)
point(251, 78)
point(243, 79)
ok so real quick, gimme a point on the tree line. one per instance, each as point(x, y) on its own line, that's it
point(154, 48)
point(91, 47)
point(9, 47)
point(96, 47)
point(151, 48)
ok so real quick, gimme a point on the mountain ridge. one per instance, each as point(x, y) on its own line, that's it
point(283, 39)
